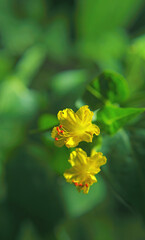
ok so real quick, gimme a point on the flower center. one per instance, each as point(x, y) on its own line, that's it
point(62, 133)
point(81, 128)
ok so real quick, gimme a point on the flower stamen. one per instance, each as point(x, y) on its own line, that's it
point(58, 129)
point(76, 184)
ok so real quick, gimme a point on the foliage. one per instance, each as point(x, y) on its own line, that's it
point(66, 54)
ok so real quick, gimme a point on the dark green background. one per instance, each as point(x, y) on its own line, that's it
point(57, 54)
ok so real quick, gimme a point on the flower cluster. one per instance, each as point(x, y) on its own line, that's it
point(73, 129)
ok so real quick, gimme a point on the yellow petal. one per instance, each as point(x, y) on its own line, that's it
point(92, 179)
point(86, 189)
point(54, 132)
point(99, 159)
point(67, 114)
point(71, 142)
point(78, 157)
point(70, 174)
point(72, 158)
point(87, 137)
point(85, 114)
point(59, 143)
point(93, 152)
point(93, 129)
point(96, 129)
point(96, 161)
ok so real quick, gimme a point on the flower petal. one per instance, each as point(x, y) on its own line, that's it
point(54, 132)
point(72, 142)
point(87, 137)
point(86, 189)
point(85, 114)
point(92, 179)
point(70, 174)
point(67, 115)
point(96, 129)
point(78, 157)
point(59, 143)
point(98, 159)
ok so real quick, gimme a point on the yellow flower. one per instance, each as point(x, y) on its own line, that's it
point(83, 171)
point(74, 127)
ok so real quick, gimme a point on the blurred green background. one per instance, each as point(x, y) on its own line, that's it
point(56, 54)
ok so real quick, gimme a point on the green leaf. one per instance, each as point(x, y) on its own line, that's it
point(124, 170)
point(108, 86)
point(111, 86)
point(112, 118)
point(47, 121)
